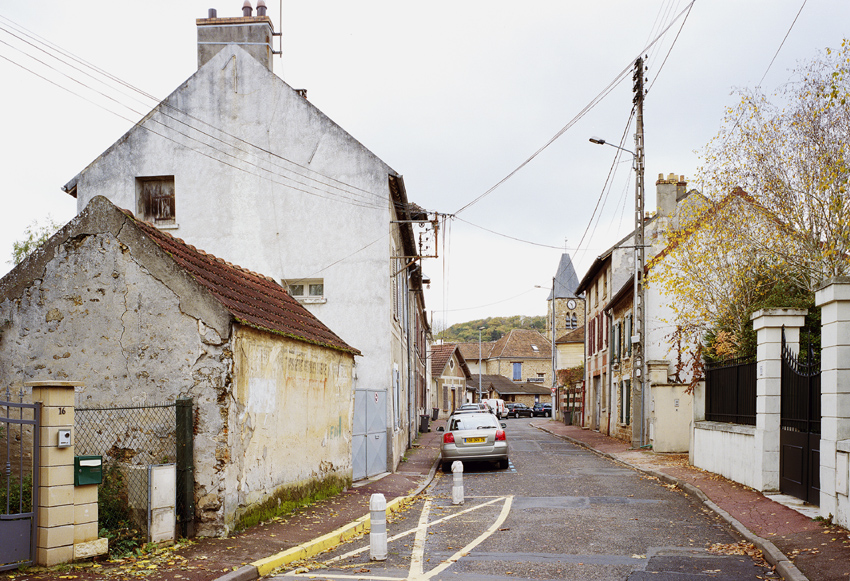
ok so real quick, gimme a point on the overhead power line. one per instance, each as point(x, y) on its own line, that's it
point(344, 192)
point(595, 101)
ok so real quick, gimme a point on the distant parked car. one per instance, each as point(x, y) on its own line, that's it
point(542, 409)
point(469, 408)
point(517, 410)
point(497, 406)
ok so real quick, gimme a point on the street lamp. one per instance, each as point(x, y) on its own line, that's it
point(600, 141)
point(479, 363)
point(554, 387)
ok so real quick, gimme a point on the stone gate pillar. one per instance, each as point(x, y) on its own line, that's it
point(67, 514)
point(768, 324)
point(834, 300)
point(55, 537)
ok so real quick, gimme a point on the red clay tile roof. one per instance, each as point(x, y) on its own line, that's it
point(519, 343)
point(576, 336)
point(505, 386)
point(440, 355)
point(253, 299)
point(470, 350)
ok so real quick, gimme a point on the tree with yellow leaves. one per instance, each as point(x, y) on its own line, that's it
point(776, 220)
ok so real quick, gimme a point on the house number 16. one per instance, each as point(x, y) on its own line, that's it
point(61, 411)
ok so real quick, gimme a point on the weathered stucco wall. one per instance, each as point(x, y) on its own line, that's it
point(278, 219)
point(93, 314)
point(294, 405)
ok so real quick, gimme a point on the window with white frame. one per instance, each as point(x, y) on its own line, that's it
point(517, 368)
point(307, 290)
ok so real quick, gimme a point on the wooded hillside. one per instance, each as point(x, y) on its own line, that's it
point(494, 328)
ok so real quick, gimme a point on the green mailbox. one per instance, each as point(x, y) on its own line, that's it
point(88, 470)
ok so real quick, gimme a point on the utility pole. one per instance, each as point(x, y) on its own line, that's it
point(639, 338)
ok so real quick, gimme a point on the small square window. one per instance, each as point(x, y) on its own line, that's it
point(307, 291)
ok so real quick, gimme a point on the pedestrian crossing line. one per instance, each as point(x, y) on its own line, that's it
point(416, 573)
point(506, 509)
point(425, 527)
point(416, 559)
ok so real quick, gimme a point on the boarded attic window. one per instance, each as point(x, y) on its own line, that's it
point(155, 199)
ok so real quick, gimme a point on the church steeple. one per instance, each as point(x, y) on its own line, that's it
point(568, 307)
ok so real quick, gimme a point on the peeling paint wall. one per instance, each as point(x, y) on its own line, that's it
point(96, 315)
point(283, 221)
point(293, 404)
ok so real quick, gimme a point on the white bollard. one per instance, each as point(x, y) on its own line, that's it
point(378, 528)
point(457, 482)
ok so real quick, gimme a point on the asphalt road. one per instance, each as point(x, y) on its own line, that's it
point(558, 512)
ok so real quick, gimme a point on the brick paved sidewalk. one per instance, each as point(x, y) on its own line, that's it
point(816, 549)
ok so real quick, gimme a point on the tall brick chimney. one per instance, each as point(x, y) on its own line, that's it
point(253, 33)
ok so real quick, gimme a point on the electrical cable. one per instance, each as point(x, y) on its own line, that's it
point(658, 74)
point(781, 44)
point(356, 201)
point(587, 108)
point(158, 102)
point(506, 235)
point(605, 185)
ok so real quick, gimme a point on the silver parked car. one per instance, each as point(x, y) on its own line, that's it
point(474, 436)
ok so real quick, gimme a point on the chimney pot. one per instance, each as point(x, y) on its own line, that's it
point(261, 8)
point(246, 8)
point(211, 13)
point(671, 177)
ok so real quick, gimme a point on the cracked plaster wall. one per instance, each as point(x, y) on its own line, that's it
point(294, 406)
point(94, 314)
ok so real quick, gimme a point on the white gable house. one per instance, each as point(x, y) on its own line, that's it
point(239, 163)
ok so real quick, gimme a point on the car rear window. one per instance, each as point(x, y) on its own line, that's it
point(473, 423)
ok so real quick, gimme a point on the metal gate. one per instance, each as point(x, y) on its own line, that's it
point(369, 434)
point(19, 436)
point(799, 439)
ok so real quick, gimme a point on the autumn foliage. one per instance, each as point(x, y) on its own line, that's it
point(775, 223)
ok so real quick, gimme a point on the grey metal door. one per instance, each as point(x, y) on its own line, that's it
point(19, 438)
point(369, 434)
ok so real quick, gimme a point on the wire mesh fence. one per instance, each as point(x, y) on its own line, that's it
point(129, 440)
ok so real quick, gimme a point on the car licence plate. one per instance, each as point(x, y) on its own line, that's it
point(473, 440)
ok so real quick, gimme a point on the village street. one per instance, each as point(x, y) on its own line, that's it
point(558, 512)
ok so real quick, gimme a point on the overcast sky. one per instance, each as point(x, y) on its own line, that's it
point(454, 95)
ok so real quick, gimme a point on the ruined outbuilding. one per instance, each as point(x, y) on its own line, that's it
point(140, 317)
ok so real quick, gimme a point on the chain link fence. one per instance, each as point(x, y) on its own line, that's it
point(129, 440)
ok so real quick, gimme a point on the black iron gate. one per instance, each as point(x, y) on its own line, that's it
point(799, 439)
point(19, 438)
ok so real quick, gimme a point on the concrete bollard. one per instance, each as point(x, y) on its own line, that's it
point(378, 528)
point(457, 482)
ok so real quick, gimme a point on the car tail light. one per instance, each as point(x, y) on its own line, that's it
point(448, 438)
point(500, 436)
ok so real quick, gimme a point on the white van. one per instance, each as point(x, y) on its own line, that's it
point(497, 406)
